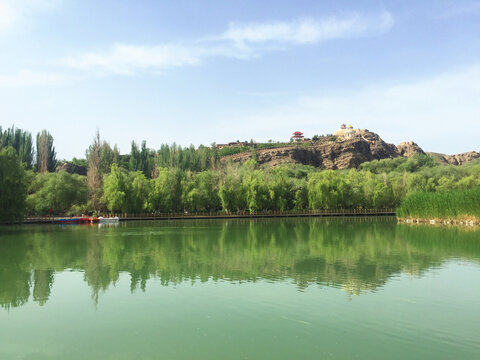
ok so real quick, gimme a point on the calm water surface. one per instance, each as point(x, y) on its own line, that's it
point(243, 289)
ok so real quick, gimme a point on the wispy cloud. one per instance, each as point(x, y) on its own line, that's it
point(25, 78)
point(241, 41)
point(308, 31)
point(129, 59)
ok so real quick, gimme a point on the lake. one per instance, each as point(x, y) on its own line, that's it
point(352, 288)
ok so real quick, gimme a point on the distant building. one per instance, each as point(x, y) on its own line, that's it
point(349, 132)
point(238, 143)
point(233, 144)
point(346, 132)
point(297, 136)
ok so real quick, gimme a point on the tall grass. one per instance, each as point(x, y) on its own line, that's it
point(446, 204)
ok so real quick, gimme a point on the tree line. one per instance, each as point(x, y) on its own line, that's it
point(18, 162)
point(43, 159)
point(176, 179)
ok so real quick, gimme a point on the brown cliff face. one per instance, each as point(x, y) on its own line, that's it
point(457, 159)
point(409, 149)
point(330, 155)
point(379, 148)
point(346, 153)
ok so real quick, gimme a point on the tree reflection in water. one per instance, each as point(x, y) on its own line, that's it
point(357, 255)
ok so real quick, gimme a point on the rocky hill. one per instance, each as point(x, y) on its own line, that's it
point(409, 149)
point(340, 154)
point(343, 153)
point(458, 159)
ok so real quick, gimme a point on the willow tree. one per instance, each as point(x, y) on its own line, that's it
point(46, 156)
point(117, 188)
point(166, 191)
point(60, 192)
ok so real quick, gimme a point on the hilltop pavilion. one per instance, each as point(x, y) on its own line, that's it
point(297, 136)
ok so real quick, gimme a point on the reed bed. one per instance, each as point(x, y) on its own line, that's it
point(454, 204)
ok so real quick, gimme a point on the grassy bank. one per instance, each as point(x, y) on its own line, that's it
point(454, 204)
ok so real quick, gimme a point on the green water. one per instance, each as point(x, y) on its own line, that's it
point(242, 289)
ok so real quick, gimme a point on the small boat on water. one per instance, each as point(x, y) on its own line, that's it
point(110, 220)
point(88, 220)
point(78, 220)
point(67, 221)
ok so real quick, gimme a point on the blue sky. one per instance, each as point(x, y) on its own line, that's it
point(217, 71)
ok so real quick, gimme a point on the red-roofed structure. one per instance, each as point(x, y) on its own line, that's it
point(297, 136)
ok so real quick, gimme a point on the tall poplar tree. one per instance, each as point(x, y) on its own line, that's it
point(46, 155)
point(21, 141)
point(94, 172)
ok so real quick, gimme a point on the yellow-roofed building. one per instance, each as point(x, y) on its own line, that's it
point(346, 132)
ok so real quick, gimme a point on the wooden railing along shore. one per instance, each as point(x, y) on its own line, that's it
point(225, 215)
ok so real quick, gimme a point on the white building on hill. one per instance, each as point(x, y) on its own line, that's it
point(346, 132)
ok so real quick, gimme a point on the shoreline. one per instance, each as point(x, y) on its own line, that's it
point(467, 221)
point(164, 217)
point(441, 221)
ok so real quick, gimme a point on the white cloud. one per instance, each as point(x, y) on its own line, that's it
point(12, 11)
point(442, 112)
point(25, 78)
point(7, 15)
point(307, 31)
point(237, 42)
point(129, 59)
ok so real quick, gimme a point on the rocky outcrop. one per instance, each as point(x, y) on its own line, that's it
point(378, 148)
point(345, 153)
point(457, 159)
point(409, 149)
point(72, 168)
point(349, 153)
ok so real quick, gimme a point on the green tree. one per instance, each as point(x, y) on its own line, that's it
point(444, 183)
point(59, 191)
point(280, 189)
point(100, 157)
point(139, 190)
point(328, 190)
point(415, 182)
point(21, 141)
point(256, 191)
point(383, 196)
point(13, 188)
point(199, 191)
point(46, 155)
point(165, 191)
point(116, 190)
point(230, 191)
point(467, 182)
